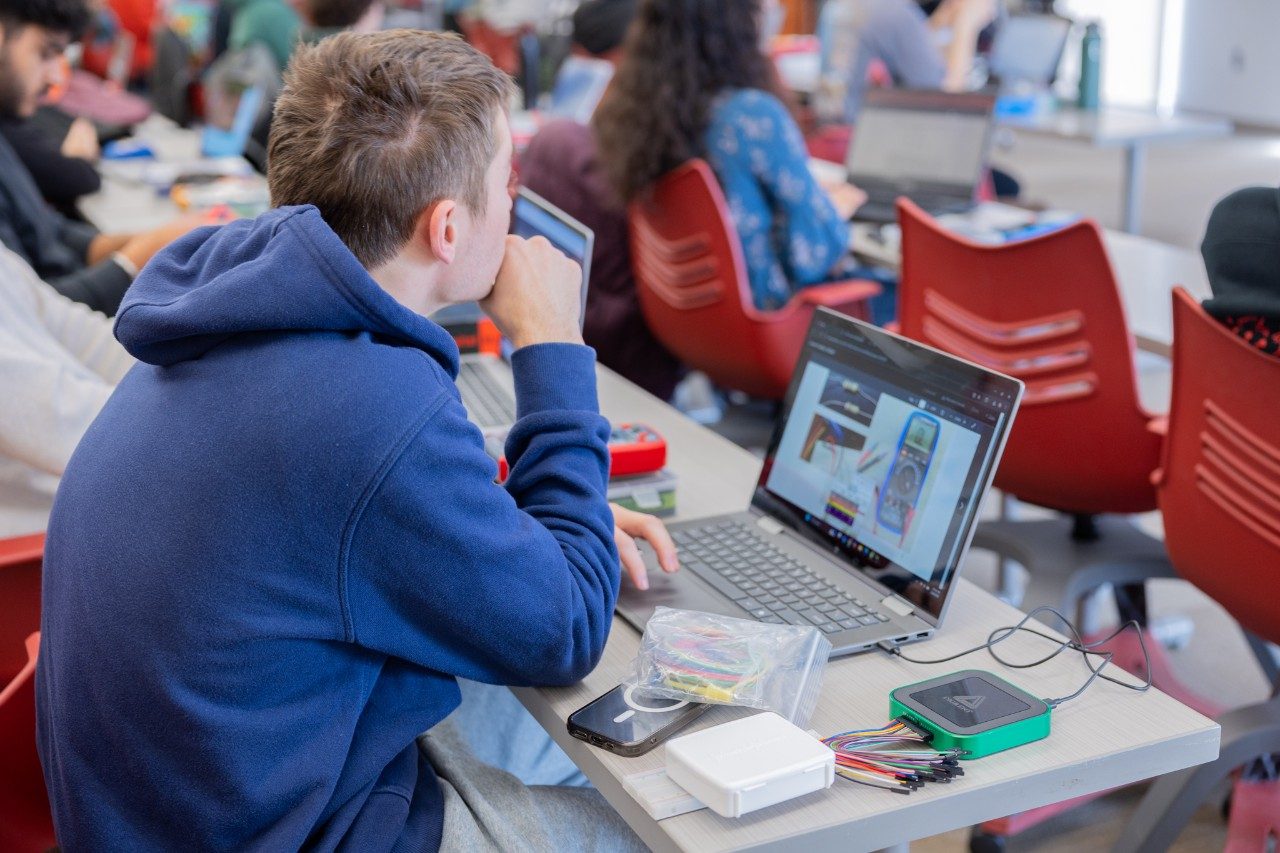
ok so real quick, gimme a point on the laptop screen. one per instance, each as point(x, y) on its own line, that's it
point(913, 138)
point(884, 453)
point(1028, 48)
point(533, 215)
point(580, 83)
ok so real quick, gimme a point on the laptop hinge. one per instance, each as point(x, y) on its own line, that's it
point(898, 605)
point(769, 525)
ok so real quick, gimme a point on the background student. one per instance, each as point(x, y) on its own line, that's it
point(63, 168)
point(918, 52)
point(693, 82)
point(562, 165)
point(58, 365)
point(79, 262)
point(1241, 251)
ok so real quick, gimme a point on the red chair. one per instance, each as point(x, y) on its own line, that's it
point(20, 560)
point(25, 821)
point(1047, 311)
point(692, 284)
point(1219, 492)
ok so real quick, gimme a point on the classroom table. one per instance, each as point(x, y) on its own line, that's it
point(1106, 738)
point(126, 205)
point(1129, 129)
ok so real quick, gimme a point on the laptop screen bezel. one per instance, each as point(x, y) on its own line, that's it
point(978, 104)
point(792, 517)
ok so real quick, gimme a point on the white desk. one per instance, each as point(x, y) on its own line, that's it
point(1132, 130)
point(124, 205)
point(1106, 738)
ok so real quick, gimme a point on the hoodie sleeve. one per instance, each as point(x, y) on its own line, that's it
point(512, 586)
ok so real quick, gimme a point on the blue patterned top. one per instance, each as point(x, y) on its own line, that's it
point(791, 234)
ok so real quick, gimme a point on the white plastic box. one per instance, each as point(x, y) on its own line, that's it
point(748, 764)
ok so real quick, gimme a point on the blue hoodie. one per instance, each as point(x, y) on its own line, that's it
point(280, 542)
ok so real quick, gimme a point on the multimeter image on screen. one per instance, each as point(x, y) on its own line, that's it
point(901, 489)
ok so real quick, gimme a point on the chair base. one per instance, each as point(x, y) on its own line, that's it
point(1120, 555)
point(1247, 733)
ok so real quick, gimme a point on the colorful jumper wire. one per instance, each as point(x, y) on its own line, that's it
point(895, 757)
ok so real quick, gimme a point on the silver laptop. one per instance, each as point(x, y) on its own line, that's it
point(928, 146)
point(484, 380)
point(867, 501)
point(580, 84)
point(1027, 50)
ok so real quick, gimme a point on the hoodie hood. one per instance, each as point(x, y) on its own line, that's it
point(286, 271)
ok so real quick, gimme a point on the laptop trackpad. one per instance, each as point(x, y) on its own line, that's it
point(682, 590)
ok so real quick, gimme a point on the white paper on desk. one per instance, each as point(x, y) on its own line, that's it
point(161, 175)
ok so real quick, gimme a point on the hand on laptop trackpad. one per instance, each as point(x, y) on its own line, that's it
point(680, 590)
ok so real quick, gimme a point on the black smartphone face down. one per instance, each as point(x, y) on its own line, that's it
point(627, 723)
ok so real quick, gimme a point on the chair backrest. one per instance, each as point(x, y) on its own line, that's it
point(1219, 480)
point(171, 76)
point(25, 820)
point(1047, 311)
point(692, 282)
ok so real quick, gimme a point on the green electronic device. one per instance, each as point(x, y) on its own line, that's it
point(972, 710)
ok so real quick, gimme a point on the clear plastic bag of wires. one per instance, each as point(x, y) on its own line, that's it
point(705, 657)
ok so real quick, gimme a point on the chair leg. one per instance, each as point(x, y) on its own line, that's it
point(1246, 734)
point(1266, 659)
point(1131, 573)
point(1255, 816)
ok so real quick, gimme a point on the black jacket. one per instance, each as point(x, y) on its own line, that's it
point(56, 247)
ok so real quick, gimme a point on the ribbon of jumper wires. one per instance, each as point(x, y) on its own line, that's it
point(895, 758)
point(713, 665)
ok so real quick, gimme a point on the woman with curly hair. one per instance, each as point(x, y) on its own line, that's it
point(694, 82)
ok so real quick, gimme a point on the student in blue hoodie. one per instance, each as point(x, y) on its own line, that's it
point(280, 543)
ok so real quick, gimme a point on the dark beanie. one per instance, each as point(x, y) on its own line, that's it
point(1241, 251)
point(600, 25)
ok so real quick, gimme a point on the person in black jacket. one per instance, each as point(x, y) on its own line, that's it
point(60, 159)
point(75, 258)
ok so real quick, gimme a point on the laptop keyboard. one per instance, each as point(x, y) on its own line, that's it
point(487, 401)
point(770, 585)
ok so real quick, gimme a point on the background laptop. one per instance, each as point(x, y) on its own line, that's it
point(484, 380)
point(580, 84)
point(867, 501)
point(1027, 50)
point(928, 146)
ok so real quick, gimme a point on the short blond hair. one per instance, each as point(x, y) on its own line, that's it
point(372, 128)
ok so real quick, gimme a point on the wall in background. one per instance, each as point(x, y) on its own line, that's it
point(1230, 64)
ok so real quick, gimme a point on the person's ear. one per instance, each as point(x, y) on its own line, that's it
point(437, 230)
